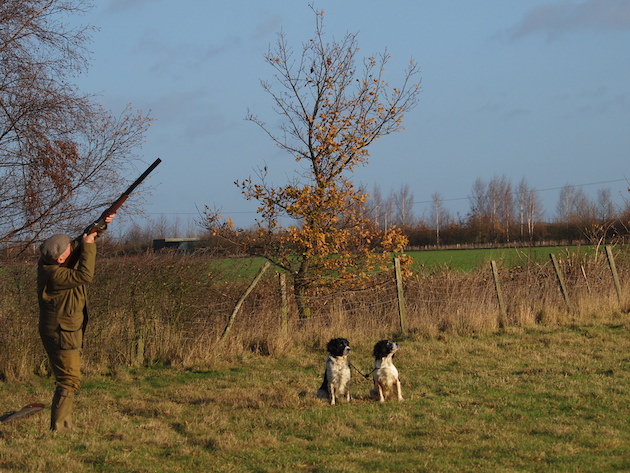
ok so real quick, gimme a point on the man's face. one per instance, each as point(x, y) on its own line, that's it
point(64, 256)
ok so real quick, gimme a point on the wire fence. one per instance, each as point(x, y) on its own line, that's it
point(175, 309)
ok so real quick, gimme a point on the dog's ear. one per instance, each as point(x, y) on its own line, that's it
point(336, 346)
point(382, 349)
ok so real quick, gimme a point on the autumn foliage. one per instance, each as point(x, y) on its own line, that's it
point(332, 110)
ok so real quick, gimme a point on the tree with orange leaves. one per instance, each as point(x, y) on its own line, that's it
point(332, 111)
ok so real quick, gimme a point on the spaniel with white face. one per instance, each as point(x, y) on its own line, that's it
point(385, 374)
point(337, 376)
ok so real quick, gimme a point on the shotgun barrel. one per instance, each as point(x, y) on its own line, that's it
point(99, 224)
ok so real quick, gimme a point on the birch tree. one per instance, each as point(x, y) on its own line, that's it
point(529, 209)
point(439, 215)
point(402, 200)
point(61, 154)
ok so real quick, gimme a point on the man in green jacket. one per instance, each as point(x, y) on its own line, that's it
point(63, 314)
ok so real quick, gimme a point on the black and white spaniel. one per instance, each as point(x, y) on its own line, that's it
point(337, 376)
point(385, 374)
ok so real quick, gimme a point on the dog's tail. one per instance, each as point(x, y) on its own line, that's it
point(322, 392)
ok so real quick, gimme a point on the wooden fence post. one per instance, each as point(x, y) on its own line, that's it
point(588, 286)
point(242, 299)
point(284, 305)
point(563, 287)
point(137, 348)
point(402, 311)
point(613, 270)
point(140, 330)
point(497, 285)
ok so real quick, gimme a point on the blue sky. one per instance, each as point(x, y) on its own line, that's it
point(524, 89)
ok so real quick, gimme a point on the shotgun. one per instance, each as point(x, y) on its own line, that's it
point(99, 225)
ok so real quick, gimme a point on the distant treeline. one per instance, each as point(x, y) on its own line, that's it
point(483, 233)
point(466, 233)
point(504, 213)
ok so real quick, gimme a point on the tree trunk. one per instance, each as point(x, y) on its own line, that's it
point(300, 289)
point(304, 309)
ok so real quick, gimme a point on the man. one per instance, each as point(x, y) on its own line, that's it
point(63, 315)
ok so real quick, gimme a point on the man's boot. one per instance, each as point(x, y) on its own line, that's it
point(61, 411)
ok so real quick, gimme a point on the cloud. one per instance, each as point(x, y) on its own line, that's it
point(267, 27)
point(191, 115)
point(230, 43)
point(176, 56)
point(564, 17)
point(605, 106)
point(515, 113)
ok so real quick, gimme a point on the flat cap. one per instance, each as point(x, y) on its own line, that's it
point(53, 247)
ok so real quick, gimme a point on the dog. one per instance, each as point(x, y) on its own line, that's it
point(385, 374)
point(337, 376)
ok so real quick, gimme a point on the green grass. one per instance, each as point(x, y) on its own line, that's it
point(536, 399)
point(242, 269)
point(468, 259)
point(463, 260)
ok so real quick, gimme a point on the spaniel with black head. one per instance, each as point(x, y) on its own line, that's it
point(385, 374)
point(337, 376)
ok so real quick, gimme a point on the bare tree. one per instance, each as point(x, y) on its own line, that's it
point(529, 208)
point(402, 200)
point(492, 206)
point(605, 206)
point(380, 209)
point(564, 207)
point(503, 202)
point(478, 199)
point(574, 206)
point(439, 215)
point(61, 154)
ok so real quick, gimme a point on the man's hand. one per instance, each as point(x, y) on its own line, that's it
point(91, 238)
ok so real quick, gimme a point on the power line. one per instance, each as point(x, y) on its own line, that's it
point(197, 213)
point(453, 199)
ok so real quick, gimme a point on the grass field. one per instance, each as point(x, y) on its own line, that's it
point(540, 399)
point(461, 260)
point(468, 259)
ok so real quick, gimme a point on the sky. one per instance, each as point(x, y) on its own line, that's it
point(530, 89)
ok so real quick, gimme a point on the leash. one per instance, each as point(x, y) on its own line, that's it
point(366, 376)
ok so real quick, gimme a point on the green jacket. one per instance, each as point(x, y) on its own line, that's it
point(62, 292)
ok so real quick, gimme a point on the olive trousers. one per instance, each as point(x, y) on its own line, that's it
point(64, 352)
